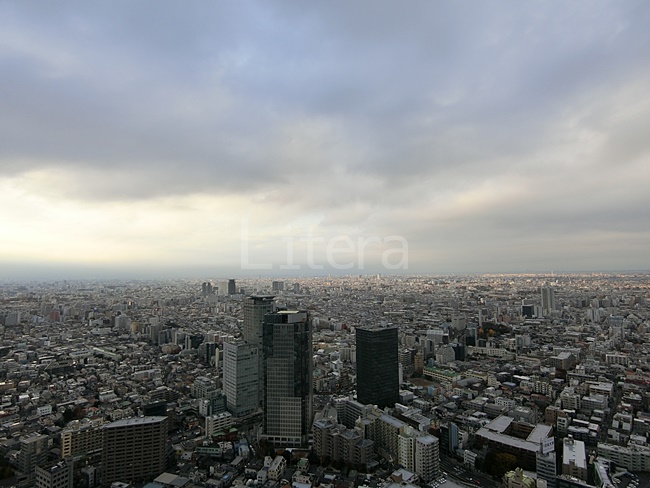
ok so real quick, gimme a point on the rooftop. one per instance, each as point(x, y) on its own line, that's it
point(134, 421)
point(574, 453)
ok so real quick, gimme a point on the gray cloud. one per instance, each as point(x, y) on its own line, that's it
point(372, 114)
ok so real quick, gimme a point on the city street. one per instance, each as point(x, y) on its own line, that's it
point(457, 472)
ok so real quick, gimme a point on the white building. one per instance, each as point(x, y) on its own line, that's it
point(574, 458)
point(546, 466)
point(277, 468)
point(634, 458)
point(419, 453)
point(44, 410)
point(241, 377)
point(594, 402)
point(218, 423)
point(570, 399)
point(509, 403)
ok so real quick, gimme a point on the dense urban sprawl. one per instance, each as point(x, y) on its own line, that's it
point(378, 381)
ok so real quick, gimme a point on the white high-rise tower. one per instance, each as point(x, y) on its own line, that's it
point(241, 377)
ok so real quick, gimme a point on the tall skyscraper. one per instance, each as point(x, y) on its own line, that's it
point(232, 287)
point(548, 299)
point(255, 308)
point(134, 449)
point(241, 377)
point(377, 367)
point(287, 399)
point(206, 289)
point(226, 287)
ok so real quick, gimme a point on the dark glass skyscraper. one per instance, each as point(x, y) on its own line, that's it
point(377, 367)
point(287, 399)
point(232, 287)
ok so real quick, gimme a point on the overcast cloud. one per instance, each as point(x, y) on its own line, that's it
point(492, 136)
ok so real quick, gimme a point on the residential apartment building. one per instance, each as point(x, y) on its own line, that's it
point(58, 475)
point(81, 437)
point(574, 458)
point(339, 443)
point(634, 458)
point(134, 449)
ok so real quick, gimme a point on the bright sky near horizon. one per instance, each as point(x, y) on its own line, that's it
point(174, 138)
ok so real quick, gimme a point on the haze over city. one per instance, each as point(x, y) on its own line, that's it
point(167, 139)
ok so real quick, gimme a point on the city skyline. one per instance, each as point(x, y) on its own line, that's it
point(167, 140)
point(392, 378)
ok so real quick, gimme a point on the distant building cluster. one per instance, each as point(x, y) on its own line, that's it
point(369, 381)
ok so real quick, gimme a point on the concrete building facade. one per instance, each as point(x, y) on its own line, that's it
point(134, 449)
point(241, 378)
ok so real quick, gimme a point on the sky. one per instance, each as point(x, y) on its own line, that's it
point(161, 138)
